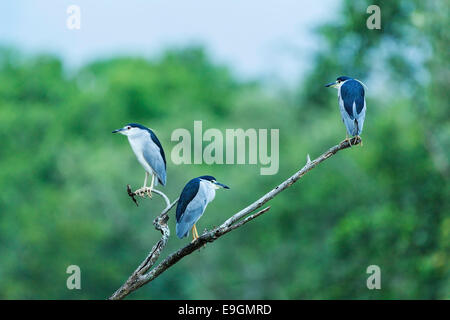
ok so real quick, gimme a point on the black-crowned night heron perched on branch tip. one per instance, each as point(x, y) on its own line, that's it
point(149, 152)
point(194, 198)
point(352, 104)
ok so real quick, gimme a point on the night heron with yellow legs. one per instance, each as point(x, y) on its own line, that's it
point(194, 198)
point(352, 104)
point(149, 152)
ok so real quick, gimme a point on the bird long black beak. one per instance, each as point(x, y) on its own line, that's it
point(222, 185)
point(118, 130)
point(332, 84)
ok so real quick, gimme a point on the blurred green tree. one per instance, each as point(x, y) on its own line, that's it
point(63, 175)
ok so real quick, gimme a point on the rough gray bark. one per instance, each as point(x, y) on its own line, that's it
point(143, 274)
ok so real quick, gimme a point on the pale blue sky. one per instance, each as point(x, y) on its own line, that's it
point(265, 38)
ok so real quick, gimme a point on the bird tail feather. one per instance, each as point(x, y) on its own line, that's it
point(182, 230)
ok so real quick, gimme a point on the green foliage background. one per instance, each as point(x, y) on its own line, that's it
point(63, 174)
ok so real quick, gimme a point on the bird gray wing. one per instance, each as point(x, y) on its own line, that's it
point(153, 154)
point(352, 105)
point(156, 141)
point(189, 192)
point(194, 210)
point(349, 120)
point(352, 98)
point(360, 118)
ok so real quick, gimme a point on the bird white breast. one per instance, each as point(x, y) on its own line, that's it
point(137, 142)
point(207, 190)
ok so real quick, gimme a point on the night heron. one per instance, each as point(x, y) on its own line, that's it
point(149, 152)
point(351, 103)
point(194, 198)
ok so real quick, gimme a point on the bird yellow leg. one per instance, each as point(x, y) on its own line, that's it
point(149, 190)
point(146, 190)
point(141, 192)
point(145, 180)
point(194, 233)
point(348, 139)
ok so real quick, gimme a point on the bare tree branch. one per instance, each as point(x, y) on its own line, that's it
point(160, 224)
point(143, 274)
point(132, 195)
